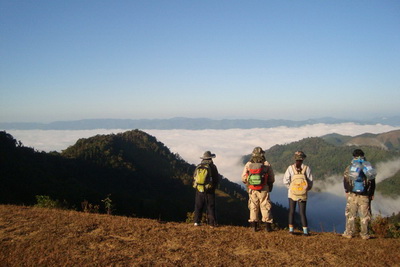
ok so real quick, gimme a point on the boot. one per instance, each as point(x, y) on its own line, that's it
point(268, 227)
point(253, 225)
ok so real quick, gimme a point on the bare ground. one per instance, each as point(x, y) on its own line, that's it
point(42, 237)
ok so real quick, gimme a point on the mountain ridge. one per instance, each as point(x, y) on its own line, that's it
point(186, 123)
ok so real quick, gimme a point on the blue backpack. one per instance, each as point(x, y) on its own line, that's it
point(360, 172)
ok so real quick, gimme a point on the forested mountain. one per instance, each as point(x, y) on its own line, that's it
point(331, 158)
point(140, 175)
point(388, 141)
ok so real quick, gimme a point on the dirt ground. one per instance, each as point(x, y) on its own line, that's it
point(42, 237)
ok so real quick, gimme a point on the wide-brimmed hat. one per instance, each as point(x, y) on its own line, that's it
point(258, 151)
point(208, 155)
point(299, 155)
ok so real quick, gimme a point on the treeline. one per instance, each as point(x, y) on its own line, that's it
point(139, 174)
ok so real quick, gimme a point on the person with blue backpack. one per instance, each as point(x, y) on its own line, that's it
point(206, 180)
point(359, 185)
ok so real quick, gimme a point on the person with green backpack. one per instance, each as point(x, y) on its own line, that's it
point(299, 180)
point(259, 178)
point(205, 181)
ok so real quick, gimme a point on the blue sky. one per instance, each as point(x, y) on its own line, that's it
point(71, 60)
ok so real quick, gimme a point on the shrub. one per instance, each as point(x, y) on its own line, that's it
point(47, 202)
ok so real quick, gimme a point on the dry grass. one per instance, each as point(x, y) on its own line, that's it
point(43, 237)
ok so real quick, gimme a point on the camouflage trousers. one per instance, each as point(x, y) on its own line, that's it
point(259, 201)
point(361, 205)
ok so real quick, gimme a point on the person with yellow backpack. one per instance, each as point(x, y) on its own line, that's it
point(205, 181)
point(299, 180)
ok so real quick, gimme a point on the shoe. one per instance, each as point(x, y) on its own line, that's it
point(253, 225)
point(306, 234)
point(291, 233)
point(347, 236)
point(268, 227)
point(365, 237)
point(197, 224)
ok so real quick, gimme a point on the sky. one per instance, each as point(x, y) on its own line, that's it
point(72, 60)
point(324, 208)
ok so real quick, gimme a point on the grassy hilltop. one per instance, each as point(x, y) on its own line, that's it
point(33, 236)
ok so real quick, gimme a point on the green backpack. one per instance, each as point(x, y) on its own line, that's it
point(202, 178)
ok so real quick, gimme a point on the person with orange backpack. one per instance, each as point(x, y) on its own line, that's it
point(259, 177)
point(299, 180)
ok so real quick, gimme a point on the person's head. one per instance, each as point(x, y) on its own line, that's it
point(258, 151)
point(299, 156)
point(358, 153)
point(208, 155)
point(257, 155)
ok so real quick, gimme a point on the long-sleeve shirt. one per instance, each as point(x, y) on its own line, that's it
point(287, 178)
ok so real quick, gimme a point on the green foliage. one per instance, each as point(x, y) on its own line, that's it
point(47, 202)
point(383, 227)
point(108, 205)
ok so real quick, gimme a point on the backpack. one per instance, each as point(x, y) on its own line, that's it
point(359, 172)
point(298, 185)
point(256, 174)
point(202, 177)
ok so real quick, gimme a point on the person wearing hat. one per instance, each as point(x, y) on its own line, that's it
point(299, 180)
point(259, 191)
point(205, 194)
point(359, 185)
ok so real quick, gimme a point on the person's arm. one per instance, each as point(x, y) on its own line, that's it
point(287, 177)
point(310, 179)
point(245, 173)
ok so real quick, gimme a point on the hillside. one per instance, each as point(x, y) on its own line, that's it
point(140, 175)
point(388, 141)
point(43, 237)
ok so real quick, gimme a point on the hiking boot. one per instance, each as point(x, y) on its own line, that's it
point(365, 237)
point(268, 227)
point(347, 236)
point(253, 225)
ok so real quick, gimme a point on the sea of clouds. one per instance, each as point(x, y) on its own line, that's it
point(325, 209)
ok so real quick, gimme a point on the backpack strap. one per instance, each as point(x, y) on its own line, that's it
point(303, 171)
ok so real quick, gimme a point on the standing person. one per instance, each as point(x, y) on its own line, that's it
point(359, 185)
point(206, 180)
point(259, 178)
point(298, 179)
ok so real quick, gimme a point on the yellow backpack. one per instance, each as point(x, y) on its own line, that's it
point(298, 185)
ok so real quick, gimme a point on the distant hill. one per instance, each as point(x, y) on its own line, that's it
point(140, 174)
point(44, 237)
point(183, 123)
point(388, 141)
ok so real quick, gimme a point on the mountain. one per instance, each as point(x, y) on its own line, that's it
point(184, 123)
point(138, 173)
point(48, 237)
point(387, 141)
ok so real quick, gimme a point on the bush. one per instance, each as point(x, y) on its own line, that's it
point(47, 202)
